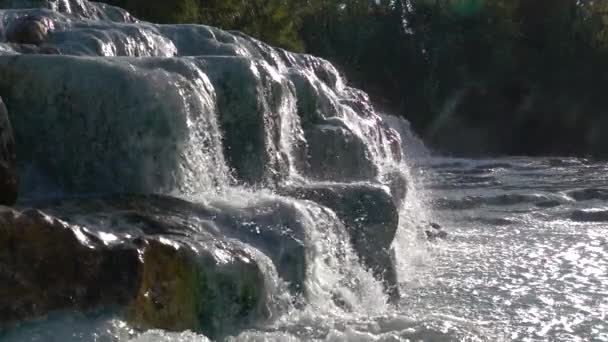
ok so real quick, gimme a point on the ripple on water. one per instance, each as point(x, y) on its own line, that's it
point(541, 277)
point(493, 221)
point(494, 166)
point(506, 199)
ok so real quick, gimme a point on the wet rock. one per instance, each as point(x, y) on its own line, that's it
point(187, 287)
point(589, 194)
point(135, 254)
point(29, 30)
point(251, 108)
point(277, 229)
point(514, 199)
point(284, 230)
point(115, 142)
point(371, 219)
point(242, 119)
point(548, 204)
point(8, 170)
point(28, 49)
point(394, 143)
point(335, 153)
point(274, 227)
point(465, 203)
point(397, 182)
point(47, 264)
point(435, 231)
point(590, 215)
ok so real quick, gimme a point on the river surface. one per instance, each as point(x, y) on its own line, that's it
point(527, 254)
point(526, 259)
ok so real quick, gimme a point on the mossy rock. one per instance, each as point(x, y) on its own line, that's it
point(169, 285)
point(188, 288)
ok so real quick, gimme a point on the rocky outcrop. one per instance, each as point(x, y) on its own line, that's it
point(186, 287)
point(336, 149)
point(395, 144)
point(8, 171)
point(47, 264)
point(145, 265)
point(29, 30)
point(282, 229)
point(336, 153)
point(244, 118)
point(28, 49)
point(589, 194)
point(371, 219)
point(397, 182)
point(590, 215)
point(212, 116)
point(127, 138)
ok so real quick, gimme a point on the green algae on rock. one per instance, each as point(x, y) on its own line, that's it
point(185, 288)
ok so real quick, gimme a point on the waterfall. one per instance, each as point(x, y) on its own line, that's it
point(229, 158)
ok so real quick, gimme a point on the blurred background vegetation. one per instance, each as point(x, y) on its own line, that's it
point(473, 76)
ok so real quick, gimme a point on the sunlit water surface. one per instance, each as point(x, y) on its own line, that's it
point(527, 255)
point(526, 259)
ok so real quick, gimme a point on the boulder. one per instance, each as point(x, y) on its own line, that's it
point(206, 266)
point(127, 139)
point(589, 194)
point(335, 153)
point(435, 231)
point(135, 254)
point(397, 182)
point(371, 219)
point(273, 226)
point(8, 171)
point(188, 287)
point(29, 30)
point(590, 215)
point(47, 264)
point(278, 232)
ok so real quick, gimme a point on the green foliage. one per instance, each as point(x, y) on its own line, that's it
point(269, 20)
point(525, 76)
point(176, 11)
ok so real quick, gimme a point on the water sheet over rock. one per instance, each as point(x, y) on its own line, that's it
point(286, 186)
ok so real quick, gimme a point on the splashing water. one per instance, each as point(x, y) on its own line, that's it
point(236, 131)
point(109, 106)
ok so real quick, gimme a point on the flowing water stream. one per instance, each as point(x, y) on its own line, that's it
point(526, 259)
point(527, 256)
point(284, 183)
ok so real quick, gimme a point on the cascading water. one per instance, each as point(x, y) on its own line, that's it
point(287, 188)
